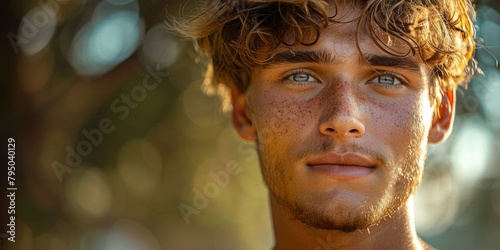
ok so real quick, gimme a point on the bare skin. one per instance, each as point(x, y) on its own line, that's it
point(342, 140)
point(292, 234)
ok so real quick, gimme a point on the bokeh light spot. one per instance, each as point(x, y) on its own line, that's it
point(104, 43)
point(90, 192)
point(120, 2)
point(125, 235)
point(470, 153)
point(488, 20)
point(436, 200)
point(491, 101)
point(140, 165)
point(201, 109)
point(159, 47)
point(36, 29)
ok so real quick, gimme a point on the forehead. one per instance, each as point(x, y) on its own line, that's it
point(349, 23)
point(348, 29)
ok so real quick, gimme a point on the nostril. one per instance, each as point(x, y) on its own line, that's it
point(342, 126)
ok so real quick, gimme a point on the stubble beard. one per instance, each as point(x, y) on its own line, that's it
point(320, 213)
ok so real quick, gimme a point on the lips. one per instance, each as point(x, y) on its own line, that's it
point(342, 166)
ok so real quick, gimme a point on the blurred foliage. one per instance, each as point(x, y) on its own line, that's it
point(114, 137)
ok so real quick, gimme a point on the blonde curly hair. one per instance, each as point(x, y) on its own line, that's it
point(234, 34)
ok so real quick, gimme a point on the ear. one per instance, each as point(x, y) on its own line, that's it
point(442, 123)
point(241, 118)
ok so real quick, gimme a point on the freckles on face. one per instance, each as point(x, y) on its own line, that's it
point(278, 118)
point(282, 120)
point(402, 127)
point(306, 104)
point(398, 126)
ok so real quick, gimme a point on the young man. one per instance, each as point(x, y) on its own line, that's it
point(341, 99)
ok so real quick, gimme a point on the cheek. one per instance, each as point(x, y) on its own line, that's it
point(418, 117)
point(404, 125)
point(279, 119)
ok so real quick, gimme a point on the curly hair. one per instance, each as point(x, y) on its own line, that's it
point(234, 34)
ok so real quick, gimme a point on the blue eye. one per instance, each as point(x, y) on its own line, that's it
point(302, 77)
point(387, 79)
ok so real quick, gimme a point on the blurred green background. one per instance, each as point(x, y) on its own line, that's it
point(118, 148)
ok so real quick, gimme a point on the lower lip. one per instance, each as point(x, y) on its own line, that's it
point(342, 171)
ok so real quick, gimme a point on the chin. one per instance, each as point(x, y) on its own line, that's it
point(346, 218)
point(340, 213)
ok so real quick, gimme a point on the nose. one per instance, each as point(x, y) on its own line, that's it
point(342, 118)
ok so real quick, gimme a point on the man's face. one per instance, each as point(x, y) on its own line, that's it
point(341, 137)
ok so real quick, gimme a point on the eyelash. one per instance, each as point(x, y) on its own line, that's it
point(392, 74)
point(285, 78)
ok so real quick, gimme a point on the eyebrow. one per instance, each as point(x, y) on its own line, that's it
point(299, 56)
point(393, 62)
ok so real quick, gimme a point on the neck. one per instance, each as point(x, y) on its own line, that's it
point(397, 232)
